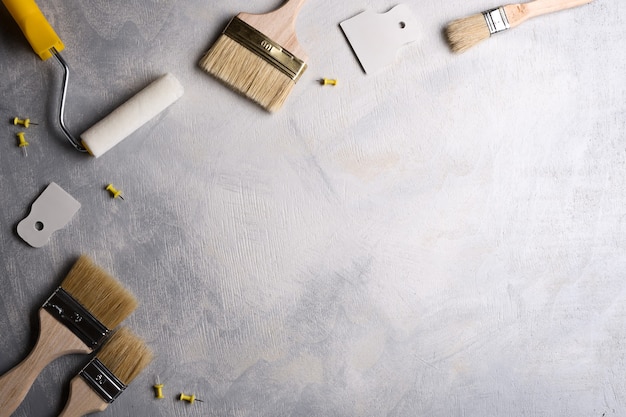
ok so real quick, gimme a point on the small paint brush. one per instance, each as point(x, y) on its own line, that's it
point(77, 318)
point(107, 375)
point(464, 33)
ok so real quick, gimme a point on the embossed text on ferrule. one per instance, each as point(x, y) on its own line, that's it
point(265, 48)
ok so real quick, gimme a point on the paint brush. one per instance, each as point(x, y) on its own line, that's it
point(77, 318)
point(464, 33)
point(107, 375)
point(259, 55)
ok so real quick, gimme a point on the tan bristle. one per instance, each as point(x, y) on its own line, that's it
point(464, 33)
point(99, 293)
point(247, 73)
point(125, 355)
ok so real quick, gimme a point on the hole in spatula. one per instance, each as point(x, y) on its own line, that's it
point(402, 25)
point(39, 226)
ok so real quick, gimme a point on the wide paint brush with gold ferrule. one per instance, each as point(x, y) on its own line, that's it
point(258, 55)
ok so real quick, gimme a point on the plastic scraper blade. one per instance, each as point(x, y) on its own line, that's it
point(51, 211)
point(375, 38)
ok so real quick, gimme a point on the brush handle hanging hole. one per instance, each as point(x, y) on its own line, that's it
point(39, 226)
point(402, 25)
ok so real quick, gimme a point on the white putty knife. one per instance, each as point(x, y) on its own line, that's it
point(51, 211)
point(375, 38)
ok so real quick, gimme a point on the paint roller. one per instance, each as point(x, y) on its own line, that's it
point(124, 120)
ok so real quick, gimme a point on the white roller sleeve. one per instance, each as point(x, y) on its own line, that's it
point(131, 115)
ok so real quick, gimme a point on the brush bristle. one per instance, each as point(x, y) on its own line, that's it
point(464, 33)
point(247, 73)
point(125, 355)
point(98, 292)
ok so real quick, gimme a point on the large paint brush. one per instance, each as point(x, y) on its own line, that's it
point(259, 55)
point(77, 318)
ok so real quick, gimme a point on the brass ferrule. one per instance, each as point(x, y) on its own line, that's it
point(265, 48)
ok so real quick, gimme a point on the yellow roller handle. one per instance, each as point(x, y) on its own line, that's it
point(35, 27)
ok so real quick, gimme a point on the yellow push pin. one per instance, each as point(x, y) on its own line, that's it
point(328, 81)
point(22, 143)
point(114, 191)
point(23, 122)
point(189, 398)
point(158, 389)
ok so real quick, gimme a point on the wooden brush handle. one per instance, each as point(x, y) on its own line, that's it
point(83, 400)
point(54, 340)
point(519, 13)
point(279, 26)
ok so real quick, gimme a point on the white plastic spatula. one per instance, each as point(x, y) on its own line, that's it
point(51, 211)
point(376, 38)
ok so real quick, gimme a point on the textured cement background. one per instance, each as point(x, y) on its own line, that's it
point(443, 238)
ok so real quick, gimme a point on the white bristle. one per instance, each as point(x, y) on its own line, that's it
point(131, 115)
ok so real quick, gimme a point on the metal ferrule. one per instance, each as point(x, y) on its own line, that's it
point(496, 20)
point(265, 48)
point(76, 318)
point(102, 380)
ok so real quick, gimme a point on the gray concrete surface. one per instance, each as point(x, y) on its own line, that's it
point(444, 238)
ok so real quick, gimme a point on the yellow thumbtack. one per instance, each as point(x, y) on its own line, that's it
point(23, 122)
point(22, 143)
point(328, 81)
point(114, 191)
point(189, 398)
point(158, 389)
